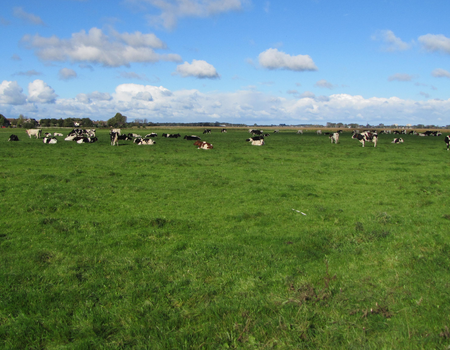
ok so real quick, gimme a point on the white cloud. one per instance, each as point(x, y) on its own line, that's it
point(392, 42)
point(244, 106)
point(41, 92)
point(274, 59)
point(96, 47)
point(400, 77)
point(440, 73)
point(67, 74)
point(173, 10)
point(11, 93)
point(432, 42)
point(324, 84)
point(27, 17)
point(199, 69)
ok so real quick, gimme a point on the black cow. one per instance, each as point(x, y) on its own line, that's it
point(13, 138)
point(192, 137)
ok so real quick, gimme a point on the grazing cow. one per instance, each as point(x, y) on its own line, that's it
point(334, 137)
point(203, 145)
point(114, 138)
point(223, 130)
point(192, 137)
point(145, 142)
point(50, 140)
point(13, 138)
point(447, 141)
point(34, 132)
point(319, 132)
point(366, 136)
point(258, 142)
point(207, 131)
point(300, 132)
point(397, 140)
point(153, 134)
point(57, 134)
point(276, 131)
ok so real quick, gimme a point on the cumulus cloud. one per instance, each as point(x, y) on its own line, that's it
point(392, 43)
point(41, 92)
point(274, 59)
point(198, 68)
point(173, 10)
point(27, 17)
point(400, 77)
point(96, 47)
point(433, 42)
point(11, 93)
point(440, 73)
point(67, 74)
point(324, 84)
point(96, 95)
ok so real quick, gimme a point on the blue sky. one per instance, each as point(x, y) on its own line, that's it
point(238, 61)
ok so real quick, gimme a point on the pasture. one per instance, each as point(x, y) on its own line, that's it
point(298, 244)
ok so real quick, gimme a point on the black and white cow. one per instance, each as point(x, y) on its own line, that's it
point(85, 139)
point(50, 140)
point(223, 130)
point(153, 134)
point(447, 141)
point(207, 131)
point(114, 136)
point(255, 132)
point(255, 138)
point(398, 140)
point(145, 142)
point(334, 137)
point(172, 136)
point(366, 136)
point(191, 137)
point(13, 138)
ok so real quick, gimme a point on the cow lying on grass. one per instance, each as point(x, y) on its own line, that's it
point(203, 145)
point(13, 138)
point(397, 140)
point(50, 140)
point(144, 141)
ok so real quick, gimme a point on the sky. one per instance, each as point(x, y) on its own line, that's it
point(236, 61)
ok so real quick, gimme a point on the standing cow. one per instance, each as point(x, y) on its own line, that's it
point(334, 137)
point(34, 132)
point(447, 141)
point(366, 136)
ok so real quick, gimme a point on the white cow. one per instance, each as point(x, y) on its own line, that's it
point(300, 132)
point(49, 140)
point(258, 143)
point(319, 132)
point(34, 132)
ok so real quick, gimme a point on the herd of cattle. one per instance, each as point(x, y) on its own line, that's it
point(257, 139)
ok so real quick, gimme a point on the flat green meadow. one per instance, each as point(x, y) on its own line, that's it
point(298, 244)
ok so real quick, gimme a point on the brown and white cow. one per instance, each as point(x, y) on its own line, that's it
point(203, 145)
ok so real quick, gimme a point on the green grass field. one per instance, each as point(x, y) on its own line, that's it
point(171, 247)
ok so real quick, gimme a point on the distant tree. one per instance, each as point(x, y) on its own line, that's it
point(46, 123)
point(4, 121)
point(20, 121)
point(68, 123)
point(86, 122)
point(117, 120)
